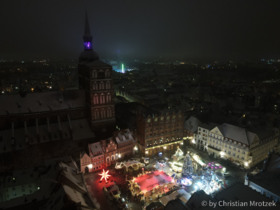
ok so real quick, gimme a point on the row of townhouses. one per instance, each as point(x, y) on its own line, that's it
point(106, 152)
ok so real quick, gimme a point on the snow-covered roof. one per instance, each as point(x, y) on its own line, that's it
point(36, 182)
point(237, 133)
point(181, 194)
point(131, 163)
point(269, 178)
point(191, 124)
point(165, 199)
point(184, 195)
point(124, 137)
point(70, 173)
point(41, 102)
point(95, 148)
point(241, 193)
point(80, 130)
point(47, 184)
point(74, 195)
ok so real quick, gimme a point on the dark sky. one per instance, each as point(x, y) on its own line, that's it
point(192, 28)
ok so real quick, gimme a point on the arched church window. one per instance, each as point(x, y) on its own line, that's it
point(94, 74)
point(108, 85)
point(95, 86)
point(102, 114)
point(108, 98)
point(95, 99)
point(107, 73)
point(101, 85)
point(109, 113)
point(96, 114)
point(102, 98)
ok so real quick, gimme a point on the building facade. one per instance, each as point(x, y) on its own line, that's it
point(236, 144)
point(160, 133)
point(126, 143)
point(201, 138)
point(110, 149)
point(96, 154)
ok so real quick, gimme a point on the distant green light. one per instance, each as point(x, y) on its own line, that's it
point(122, 68)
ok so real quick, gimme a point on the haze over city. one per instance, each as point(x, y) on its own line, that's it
point(182, 28)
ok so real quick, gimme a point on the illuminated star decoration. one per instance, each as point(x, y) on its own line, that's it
point(104, 175)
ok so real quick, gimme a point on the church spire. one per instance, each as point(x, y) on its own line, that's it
point(87, 36)
point(87, 29)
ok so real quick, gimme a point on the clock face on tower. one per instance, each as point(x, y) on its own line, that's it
point(87, 45)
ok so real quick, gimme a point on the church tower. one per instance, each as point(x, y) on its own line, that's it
point(95, 77)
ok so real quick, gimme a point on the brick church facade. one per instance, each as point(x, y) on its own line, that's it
point(95, 77)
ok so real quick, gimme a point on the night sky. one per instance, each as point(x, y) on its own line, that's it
point(191, 28)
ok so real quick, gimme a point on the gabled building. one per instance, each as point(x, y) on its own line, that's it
point(231, 142)
point(110, 149)
point(201, 136)
point(106, 152)
point(85, 162)
point(96, 155)
point(125, 142)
